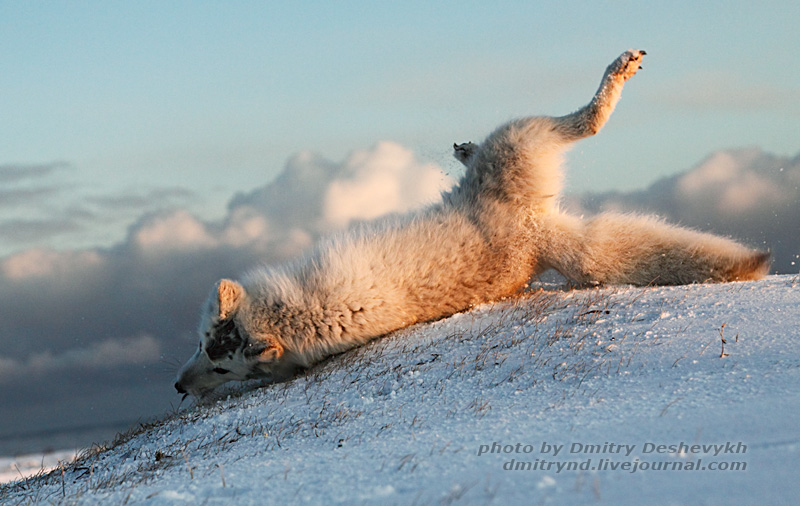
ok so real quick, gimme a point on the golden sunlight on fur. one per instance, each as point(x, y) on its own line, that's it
point(495, 229)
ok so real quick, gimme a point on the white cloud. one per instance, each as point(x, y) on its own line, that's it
point(748, 194)
point(40, 263)
point(383, 180)
point(736, 183)
point(718, 169)
point(314, 196)
point(246, 226)
point(170, 232)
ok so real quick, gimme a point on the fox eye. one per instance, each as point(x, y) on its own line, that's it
point(220, 370)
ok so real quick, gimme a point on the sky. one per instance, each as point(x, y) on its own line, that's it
point(138, 105)
point(149, 148)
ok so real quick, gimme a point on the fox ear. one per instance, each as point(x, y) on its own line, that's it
point(271, 354)
point(229, 294)
point(264, 351)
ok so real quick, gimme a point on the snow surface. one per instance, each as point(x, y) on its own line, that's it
point(23, 466)
point(432, 414)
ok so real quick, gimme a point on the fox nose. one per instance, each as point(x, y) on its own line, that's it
point(179, 388)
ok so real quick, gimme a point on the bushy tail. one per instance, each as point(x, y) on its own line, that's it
point(643, 250)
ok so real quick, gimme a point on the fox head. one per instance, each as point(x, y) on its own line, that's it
point(227, 350)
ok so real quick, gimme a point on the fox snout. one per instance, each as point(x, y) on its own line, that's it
point(194, 377)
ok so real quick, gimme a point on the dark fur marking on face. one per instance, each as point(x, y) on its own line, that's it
point(254, 349)
point(226, 341)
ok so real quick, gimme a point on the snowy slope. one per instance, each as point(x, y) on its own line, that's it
point(433, 414)
point(12, 468)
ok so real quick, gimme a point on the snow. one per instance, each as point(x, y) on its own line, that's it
point(23, 466)
point(620, 380)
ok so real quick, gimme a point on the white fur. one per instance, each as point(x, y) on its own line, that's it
point(499, 226)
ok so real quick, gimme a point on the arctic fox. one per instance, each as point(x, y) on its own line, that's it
point(487, 237)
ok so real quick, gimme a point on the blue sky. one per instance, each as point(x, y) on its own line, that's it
point(213, 97)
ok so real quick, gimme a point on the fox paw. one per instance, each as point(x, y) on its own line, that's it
point(464, 151)
point(627, 64)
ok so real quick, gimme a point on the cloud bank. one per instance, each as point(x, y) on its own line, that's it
point(100, 320)
point(85, 332)
point(36, 208)
point(746, 194)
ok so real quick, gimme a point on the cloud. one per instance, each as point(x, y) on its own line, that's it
point(31, 231)
point(318, 195)
point(24, 196)
point(20, 173)
point(43, 263)
point(35, 210)
point(384, 180)
point(746, 194)
point(105, 354)
point(169, 232)
point(140, 200)
point(739, 183)
point(63, 310)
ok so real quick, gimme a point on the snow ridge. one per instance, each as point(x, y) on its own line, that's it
point(471, 409)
